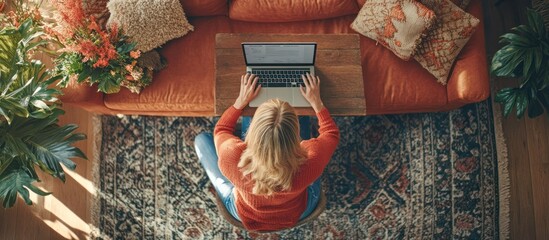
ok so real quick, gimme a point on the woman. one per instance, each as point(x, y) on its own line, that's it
point(272, 179)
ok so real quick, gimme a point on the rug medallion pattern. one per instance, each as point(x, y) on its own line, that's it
point(410, 176)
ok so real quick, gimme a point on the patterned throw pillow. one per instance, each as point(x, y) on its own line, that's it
point(396, 24)
point(150, 23)
point(451, 31)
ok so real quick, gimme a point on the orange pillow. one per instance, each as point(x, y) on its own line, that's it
point(199, 8)
point(451, 31)
point(396, 24)
point(290, 10)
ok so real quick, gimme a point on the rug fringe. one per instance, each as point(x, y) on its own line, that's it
point(503, 172)
point(95, 199)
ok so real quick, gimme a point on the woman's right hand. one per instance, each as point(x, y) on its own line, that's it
point(311, 91)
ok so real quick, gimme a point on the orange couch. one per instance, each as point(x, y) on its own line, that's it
point(391, 85)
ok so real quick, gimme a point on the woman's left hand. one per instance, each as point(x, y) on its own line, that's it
point(248, 91)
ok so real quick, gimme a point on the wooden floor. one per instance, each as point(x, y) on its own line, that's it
point(65, 214)
point(527, 139)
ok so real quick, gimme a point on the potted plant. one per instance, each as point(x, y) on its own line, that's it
point(29, 134)
point(526, 57)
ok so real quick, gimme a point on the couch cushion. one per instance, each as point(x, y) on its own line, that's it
point(187, 83)
point(393, 85)
point(200, 8)
point(396, 24)
point(290, 10)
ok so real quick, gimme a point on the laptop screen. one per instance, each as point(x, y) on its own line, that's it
point(279, 53)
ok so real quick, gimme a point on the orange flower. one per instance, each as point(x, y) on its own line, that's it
point(101, 63)
point(93, 25)
point(113, 32)
point(129, 78)
point(37, 16)
point(129, 68)
point(71, 12)
point(135, 54)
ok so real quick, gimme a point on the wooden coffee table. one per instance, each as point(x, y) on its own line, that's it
point(337, 64)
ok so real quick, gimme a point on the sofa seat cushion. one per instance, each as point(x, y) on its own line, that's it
point(391, 84)
point(187, 83)
point(290, 10)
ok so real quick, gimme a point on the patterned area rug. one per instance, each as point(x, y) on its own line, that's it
point(412, 176)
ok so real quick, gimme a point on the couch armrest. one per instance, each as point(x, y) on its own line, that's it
point(83, 96)
point(469, 81)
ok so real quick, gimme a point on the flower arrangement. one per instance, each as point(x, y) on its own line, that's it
point(95, 55)
point(21, 12)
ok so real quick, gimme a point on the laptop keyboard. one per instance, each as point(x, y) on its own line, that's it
point(280, 77)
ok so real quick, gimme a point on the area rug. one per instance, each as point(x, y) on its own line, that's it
point(409, 176)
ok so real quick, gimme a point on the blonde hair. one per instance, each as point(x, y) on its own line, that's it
point(273, 154)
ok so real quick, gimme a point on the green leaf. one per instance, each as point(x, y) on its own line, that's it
point(534, 108)
point(25, 26)
point(506, 60)
point(85, 74)
point(5, 161)
point(40, 104)
point(109, 85)
point(126, 48)
point(13, 106)
point(516, 40)
point(51, 80)
point(46, 143)
point(536, 22)
point(544, 99)
point(538, 57)
point(521, 103)
point(15, 182)
point(527, 63)
point(507, 98)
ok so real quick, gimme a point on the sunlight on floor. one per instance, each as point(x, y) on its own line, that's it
point(62, 220)
point(85, 183)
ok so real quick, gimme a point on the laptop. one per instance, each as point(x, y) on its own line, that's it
point(279, 67)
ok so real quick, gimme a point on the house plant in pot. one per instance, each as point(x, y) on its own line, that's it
point(30, 136)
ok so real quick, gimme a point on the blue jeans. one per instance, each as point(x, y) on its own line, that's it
point(205, 149)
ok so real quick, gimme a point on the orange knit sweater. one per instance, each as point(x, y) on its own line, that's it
point(283, 209)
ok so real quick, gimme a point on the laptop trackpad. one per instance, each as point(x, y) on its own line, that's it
point(282, 93)
point(261, 98)
point(298, 99)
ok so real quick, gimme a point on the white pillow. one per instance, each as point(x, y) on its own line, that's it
point(150, 23)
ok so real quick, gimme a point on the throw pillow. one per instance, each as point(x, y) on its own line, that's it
point(396, 24)
point(150, 23)
point(450, 33)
